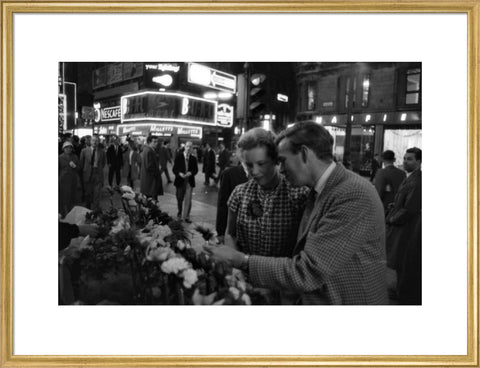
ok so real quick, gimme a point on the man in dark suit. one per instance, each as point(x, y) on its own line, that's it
point(223, 158)
point(404, 230)
point(164, 157)
point(185, 168)
point(339, 256)
point(115, 161)
point(208, 164)
point(231, 177)
point(388, 180)
point(150, 178)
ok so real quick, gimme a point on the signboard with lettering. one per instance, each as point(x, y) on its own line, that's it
point(110, 113)
point(105, 129)
point(62, 111)
point(168, 107)
point(161, 75)
point(225, 115)
point(205, 76)
point(160, 130)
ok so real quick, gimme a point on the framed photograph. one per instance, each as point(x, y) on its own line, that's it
point(119, 38)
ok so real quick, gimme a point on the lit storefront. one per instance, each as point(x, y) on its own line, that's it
point(374, 132)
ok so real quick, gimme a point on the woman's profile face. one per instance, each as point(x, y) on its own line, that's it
point(260, 166)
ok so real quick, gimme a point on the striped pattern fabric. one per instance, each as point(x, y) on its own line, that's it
point(270, 229)
point(340, 257)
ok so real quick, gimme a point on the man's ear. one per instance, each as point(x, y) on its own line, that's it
point(304, 152)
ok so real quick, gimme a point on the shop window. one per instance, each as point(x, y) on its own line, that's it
point(413, 86)
point(365, 90)
point(311, 95)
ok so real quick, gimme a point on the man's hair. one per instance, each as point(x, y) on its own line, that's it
point(388, 155)
point(311, 135)
point(259, 137)
point(417, 152)
point(150, 138)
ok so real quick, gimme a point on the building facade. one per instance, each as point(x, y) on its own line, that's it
point(367, 107)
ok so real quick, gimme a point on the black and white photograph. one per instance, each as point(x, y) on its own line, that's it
point(239, 183)
point(224, 184)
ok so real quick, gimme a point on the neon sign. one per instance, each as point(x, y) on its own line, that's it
point(168, 107)
point(160, 129)
point(225, 115)
point(205, 76)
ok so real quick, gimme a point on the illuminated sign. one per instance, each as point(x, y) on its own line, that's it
point(163, 67)
point(62, 112)
point(225, 115)
point(205, 76)
point(110, 113)
point(105, 129)
point(168, 107)
point(282, 98)
point(160, 129)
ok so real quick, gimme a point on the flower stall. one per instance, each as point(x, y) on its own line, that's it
point(142, 256)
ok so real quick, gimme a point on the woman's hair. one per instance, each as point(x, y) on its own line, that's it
point(311, 135)
point(258, 137)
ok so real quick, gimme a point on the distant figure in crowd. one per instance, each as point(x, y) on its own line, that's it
point(68, 179)
point(231, 177)
point(388, 180)
point(97, 163)
point(404, 231)
point(150, 178)
point(165, 156)
point(223, 159)
point(209, 164)
point(133, 163)
point(264, 213)
point(86, 166)
point(375, 166)
point(185, 168)
point(114, 161)
point(77, 148)
point(339, 256)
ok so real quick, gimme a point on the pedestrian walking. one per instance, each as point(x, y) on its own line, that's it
point(133, 164)
point(209, 164)
point(115, 161)
point(150, 179)
point(185, 168)
point(165, 157)
point(223, 159)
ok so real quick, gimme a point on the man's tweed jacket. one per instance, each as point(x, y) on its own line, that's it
point(340, 256)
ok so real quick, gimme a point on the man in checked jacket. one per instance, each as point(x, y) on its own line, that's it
point(339, 256)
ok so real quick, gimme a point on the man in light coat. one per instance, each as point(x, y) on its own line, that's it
point(339, 256)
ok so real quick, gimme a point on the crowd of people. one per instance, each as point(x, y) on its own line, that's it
point(299, 224)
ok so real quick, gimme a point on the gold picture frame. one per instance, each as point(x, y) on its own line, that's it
point(9, 8)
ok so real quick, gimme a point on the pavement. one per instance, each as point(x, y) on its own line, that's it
point(204, 199)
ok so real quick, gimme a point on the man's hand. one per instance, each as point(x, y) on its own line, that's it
point(84, 230)
point(227, 254)
point(188, 174)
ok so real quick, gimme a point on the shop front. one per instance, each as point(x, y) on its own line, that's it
point(371, 134)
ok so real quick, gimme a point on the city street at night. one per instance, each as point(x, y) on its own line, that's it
point(288, 183)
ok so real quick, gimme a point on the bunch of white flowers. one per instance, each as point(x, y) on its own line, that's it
point(190, 277)
point(175, 265)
